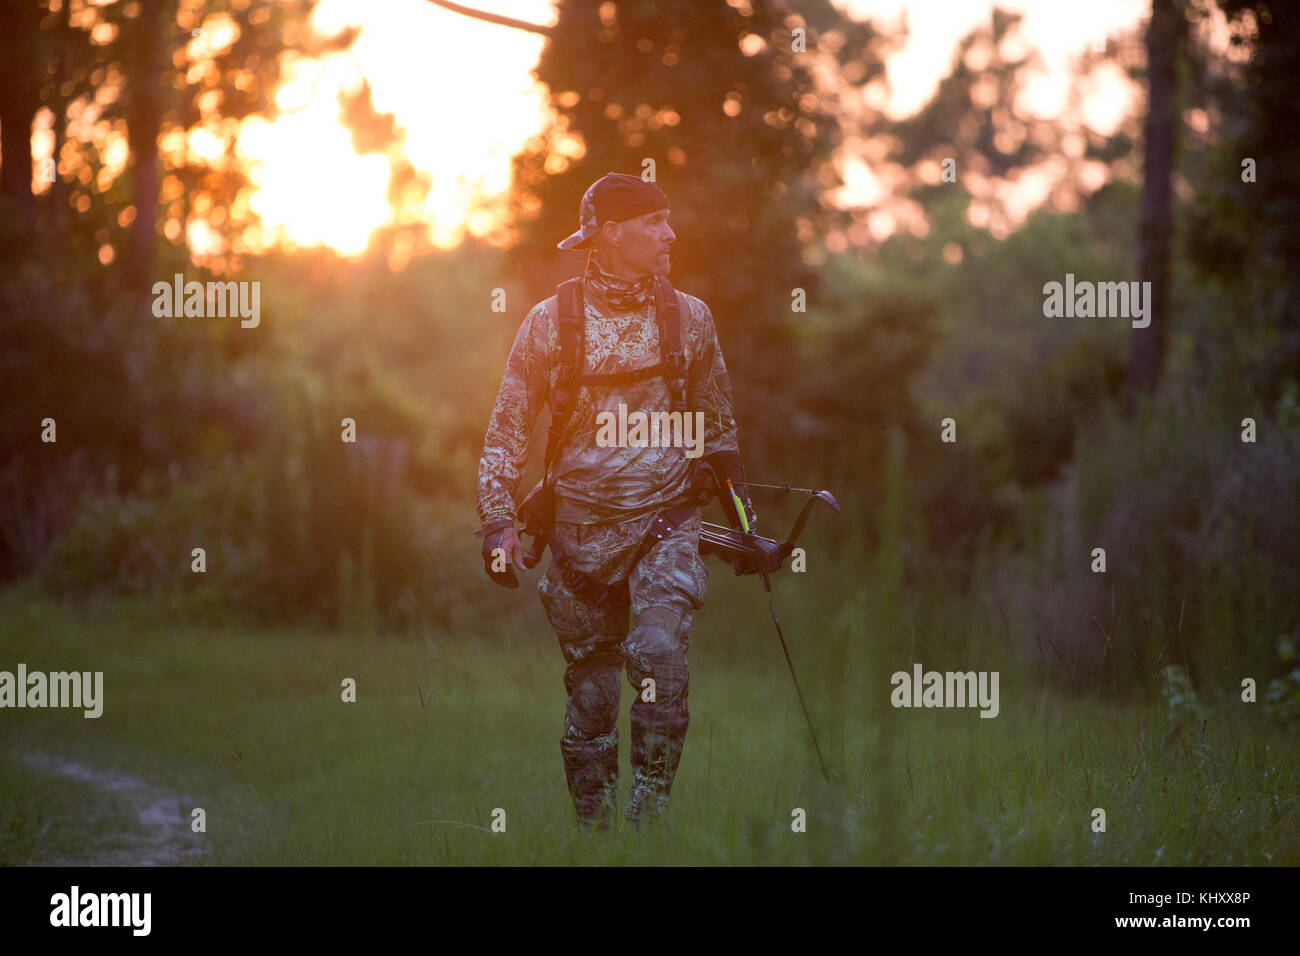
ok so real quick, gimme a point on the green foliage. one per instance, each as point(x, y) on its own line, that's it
point(129, 396)
point(1180, 695)
point(138, 545)
point(1199, 546)
point(978, 350)
point(1240, 236)
point(1283, 698)
point(859, 347)
point(241, 449)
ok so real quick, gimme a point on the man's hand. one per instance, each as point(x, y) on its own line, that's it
point(512, 546)
point(723, 474)
point(501, 549)
point(765, 558)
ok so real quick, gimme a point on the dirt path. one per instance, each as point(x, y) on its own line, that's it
point(163, 837)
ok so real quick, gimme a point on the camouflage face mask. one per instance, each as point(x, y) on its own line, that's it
point(626, 295)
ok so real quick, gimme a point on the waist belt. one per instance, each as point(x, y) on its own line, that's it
point(616, 594)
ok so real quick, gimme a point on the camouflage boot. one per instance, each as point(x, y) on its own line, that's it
point(591, 768)
point(647, 801)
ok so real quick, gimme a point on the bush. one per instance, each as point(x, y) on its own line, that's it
point(139, 545)
point(1199, 530)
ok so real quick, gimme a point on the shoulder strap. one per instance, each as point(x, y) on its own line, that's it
point(668, 312)
point(572, 328)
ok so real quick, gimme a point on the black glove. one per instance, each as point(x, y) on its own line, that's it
point(765, 557)
point(492, 541)
point(716, 470)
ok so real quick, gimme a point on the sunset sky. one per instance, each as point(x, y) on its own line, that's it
point(422, 61)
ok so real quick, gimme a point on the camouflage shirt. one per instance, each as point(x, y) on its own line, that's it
point(594, 483)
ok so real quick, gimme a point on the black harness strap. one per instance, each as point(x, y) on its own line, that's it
point(622, 378)
point(669, 315)
point(573, 334)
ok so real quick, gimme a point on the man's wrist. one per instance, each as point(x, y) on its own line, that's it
point(492, 527)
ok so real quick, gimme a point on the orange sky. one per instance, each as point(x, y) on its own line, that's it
point(421, 61)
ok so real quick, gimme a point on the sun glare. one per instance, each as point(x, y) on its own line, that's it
point(464, 102)
point(311, 187)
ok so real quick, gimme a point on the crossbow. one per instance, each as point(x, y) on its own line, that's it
point(734, 546)
point(746, 552)
point(751, 553)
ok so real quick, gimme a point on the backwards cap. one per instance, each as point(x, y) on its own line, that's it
point(614, 197)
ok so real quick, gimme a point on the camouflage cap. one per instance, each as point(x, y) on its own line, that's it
point(614, 197)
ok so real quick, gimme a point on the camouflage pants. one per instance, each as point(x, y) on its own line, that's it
point(666, 587)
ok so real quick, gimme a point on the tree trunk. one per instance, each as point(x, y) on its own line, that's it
point(1155, 230)
point(145, 119)
point(59, 192)
point(20, 73)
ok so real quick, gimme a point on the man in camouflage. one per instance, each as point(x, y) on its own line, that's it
point(606, 499)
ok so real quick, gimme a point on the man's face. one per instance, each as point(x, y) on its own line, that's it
point(643, 243)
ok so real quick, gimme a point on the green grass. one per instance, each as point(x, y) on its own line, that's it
point(250, 727)
point(45, 820)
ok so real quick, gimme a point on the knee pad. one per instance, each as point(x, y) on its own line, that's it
point(593, 705)
point(655, 633)
point(653, 650)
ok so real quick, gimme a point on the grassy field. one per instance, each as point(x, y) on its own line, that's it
point(251, 728)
